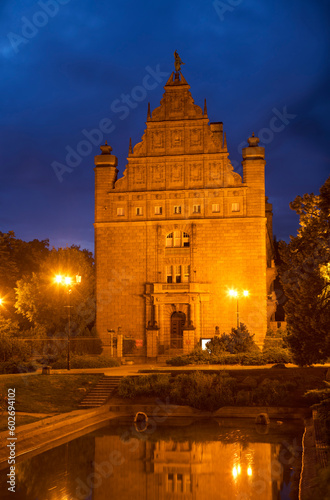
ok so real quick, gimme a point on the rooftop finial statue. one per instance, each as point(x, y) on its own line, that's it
point(177, 62)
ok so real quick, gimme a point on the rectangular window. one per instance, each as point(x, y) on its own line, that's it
point(139, 211)
point(215, 207)
point(186, 274)
point(235, 207)
point(177, 274)
point(177, 238)
point(120, 211)
point(169, 274)
point(197, 209)
point(185, 239)
point(169, 240)
point(177, 210)
point(158, 210)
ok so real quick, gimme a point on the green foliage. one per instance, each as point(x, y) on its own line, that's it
point(276, 355)
point(320, 399)
point(252, 359)
point(44, 302)
point(276, 338)
point(12, 348)
point(199, 390)
point(238, 340)
point(17, 367)
point(305, 276)
point(85, 362)
point(272, 392)
point(203, 391)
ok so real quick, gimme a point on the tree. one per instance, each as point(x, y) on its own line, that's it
point(238, 340)
point(18, 258)
point(45, 303)
point(305, 276)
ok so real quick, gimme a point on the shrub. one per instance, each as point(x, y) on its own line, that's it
point(17, 367)
point(272, 392)
point(11, 347)
point(253, 359)
point(85, 362)
point(149, 385)
point(199, 390)
point(238, 340)
point(277, 355)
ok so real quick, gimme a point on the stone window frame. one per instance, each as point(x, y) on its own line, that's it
point(159, 210)
point(177, 239)
point(235, 207)
point(120, 211)
point(177, 209)
point(138, 211)
point(196, 209)
point(215, 207)
point(177, 273)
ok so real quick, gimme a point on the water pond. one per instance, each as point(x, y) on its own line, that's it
point(177, 459)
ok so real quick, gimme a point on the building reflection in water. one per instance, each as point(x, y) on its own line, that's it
point(210, 461)
point(190, 470)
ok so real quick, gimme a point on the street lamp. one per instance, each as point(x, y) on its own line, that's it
point(67, 282)
point(237, 295)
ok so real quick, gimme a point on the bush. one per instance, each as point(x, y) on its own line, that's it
point(238, 340)
point(199, 390)
point(17, 367)
point(253, 359)
point(85, 362)
point(272, 392)
point(11, 347)
point(149, 385)
point(277, 355)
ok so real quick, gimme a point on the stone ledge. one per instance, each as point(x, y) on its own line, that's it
point(38, 434)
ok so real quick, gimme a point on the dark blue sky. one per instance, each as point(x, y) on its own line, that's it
point(66, 65)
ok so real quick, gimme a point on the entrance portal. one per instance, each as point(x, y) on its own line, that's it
point(178, 320)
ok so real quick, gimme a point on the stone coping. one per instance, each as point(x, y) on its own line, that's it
point(38, 436)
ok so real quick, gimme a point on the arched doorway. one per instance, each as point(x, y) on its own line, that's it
point(178, 320)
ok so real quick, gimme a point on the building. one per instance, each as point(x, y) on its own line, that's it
point(180, 230)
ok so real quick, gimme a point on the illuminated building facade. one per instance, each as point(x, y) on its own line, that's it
point(179, 230)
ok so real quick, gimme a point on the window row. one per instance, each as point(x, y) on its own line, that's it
point(235, 207)
point(177, 274)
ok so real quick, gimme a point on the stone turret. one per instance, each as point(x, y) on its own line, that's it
point(254, 176)
point(105, 177)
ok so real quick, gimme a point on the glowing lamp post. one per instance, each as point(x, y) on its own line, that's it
point(237, 295)
point(67, 282)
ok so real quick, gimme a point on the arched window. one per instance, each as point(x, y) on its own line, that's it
point(177, 239)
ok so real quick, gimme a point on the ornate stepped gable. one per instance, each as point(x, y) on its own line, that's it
point(179, 149)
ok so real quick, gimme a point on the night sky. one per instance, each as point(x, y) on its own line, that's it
point(68, 65)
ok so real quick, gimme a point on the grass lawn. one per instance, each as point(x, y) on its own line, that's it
point(48, 393)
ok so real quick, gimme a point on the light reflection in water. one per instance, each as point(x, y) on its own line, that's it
point(202, 462)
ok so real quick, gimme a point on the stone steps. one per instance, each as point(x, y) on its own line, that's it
point(101, 392)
